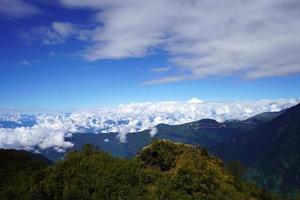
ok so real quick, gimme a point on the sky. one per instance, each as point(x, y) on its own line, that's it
point(65, 54)
point(99, 66)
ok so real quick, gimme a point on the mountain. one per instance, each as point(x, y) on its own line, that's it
point(271, 150)
point(205, 132)
point(267, 116)
point(267, 143)
point(162, 170)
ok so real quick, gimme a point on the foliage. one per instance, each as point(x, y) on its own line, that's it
point(19, 170)
point(162, 170)
point(91, 174)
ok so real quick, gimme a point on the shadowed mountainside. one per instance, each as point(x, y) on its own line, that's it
point(272, 149)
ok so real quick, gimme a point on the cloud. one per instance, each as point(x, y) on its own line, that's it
point(50, 130)
point(64, 29)
point(153, 132)
point(17, 8)
point(168, 79)
point(55, 33)
point(205, 38)
point(161, 69)
point(52, 53)
point(25, 62)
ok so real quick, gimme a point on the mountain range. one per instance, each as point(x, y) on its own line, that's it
point(268, 144)
point(206, 132)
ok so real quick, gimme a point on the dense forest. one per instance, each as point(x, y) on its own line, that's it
point(162, 170)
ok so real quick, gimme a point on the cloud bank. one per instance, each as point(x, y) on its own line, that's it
point(50, 130)
point(252, 39)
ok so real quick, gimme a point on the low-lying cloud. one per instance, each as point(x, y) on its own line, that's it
point(50, 130)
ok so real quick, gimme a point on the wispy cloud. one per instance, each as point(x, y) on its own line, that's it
point(52, 53)
point(24, 62)
point(161, 69)
point(252, 39)
point(17, 8)
point(55, 33)
point(168, 79)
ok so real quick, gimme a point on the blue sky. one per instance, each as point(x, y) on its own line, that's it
point(70, 54)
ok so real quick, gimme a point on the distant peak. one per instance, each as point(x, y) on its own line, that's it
point(209, 121)
point(195, 100)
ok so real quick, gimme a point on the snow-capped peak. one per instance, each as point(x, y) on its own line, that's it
point(195, 101)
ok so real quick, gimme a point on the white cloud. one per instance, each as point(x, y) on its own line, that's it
point(51, 129)
point(55, 33)
point(64, 29)
point(153, 132)
point(24, 62)
point(161, 69)
point(48, 132)
point(17, 8)
point(52, 53)
point(205, 38)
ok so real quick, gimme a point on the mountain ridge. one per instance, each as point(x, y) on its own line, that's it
point(205, 132)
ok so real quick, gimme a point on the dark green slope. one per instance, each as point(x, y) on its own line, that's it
point(19, 170)
point(272, 149)
point(208, 132)
point(134, 142)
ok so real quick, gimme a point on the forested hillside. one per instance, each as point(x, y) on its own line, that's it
point(19, 171)
point(162, 170)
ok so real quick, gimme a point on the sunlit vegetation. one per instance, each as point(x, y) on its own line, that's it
point(162, 170)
